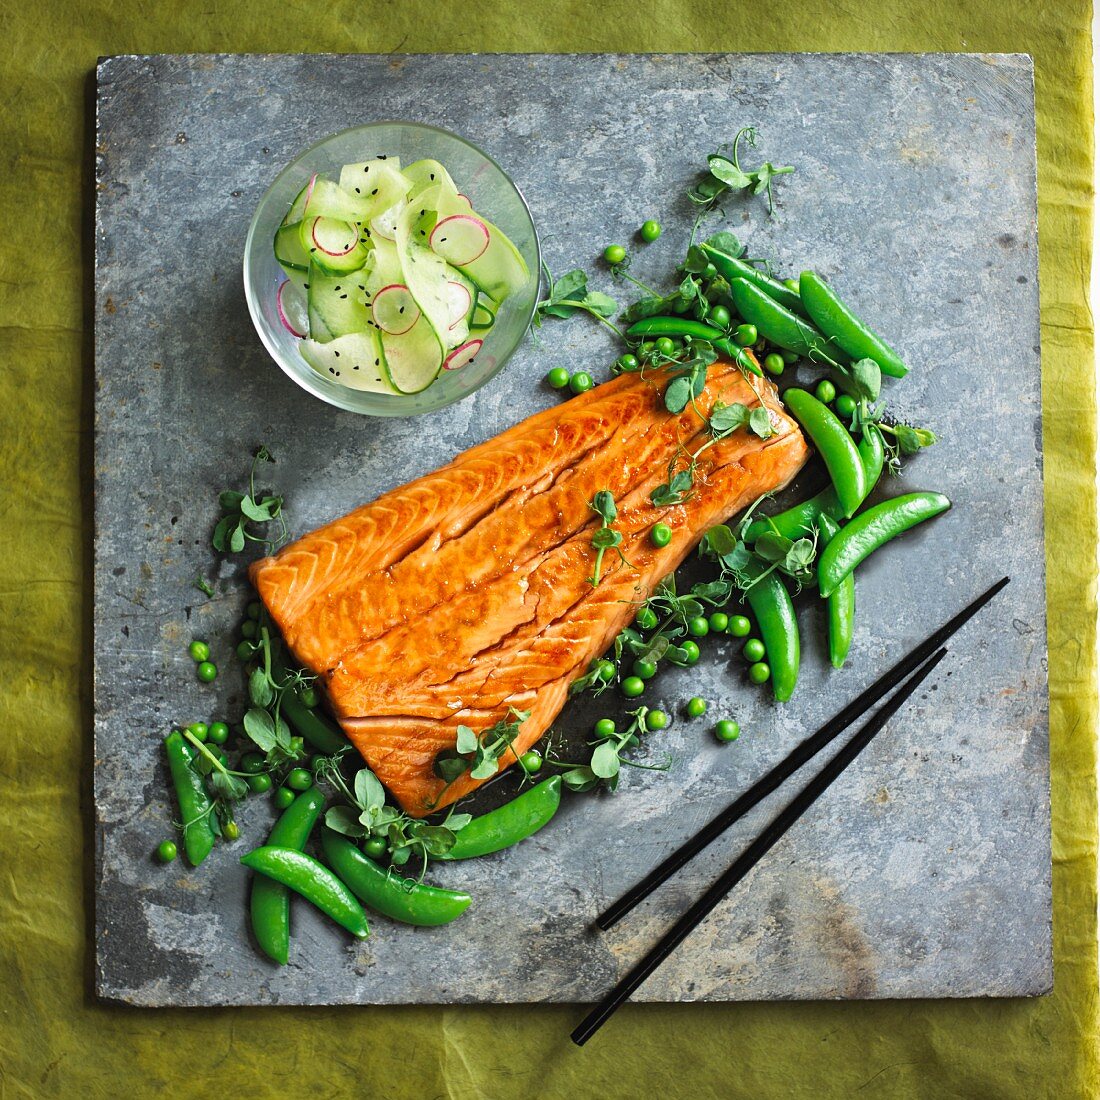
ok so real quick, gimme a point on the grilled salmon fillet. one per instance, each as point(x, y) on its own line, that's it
point(467, 592)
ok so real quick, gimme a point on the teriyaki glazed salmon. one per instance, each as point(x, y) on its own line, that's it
point(468, 592)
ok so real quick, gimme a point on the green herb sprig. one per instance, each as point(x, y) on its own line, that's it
point(605, 537)
point(725, 174)
point(609, 757)
point(480, 753)
point(570, 295)
point(244, 513)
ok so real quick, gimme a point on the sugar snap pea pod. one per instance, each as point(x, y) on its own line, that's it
point(797, 521)
point(194, 802)
point(308, 724)
point(389, 893)
point(839, 323)
point(314, 881)
point(510, 823)
point(869, 530)
point(841, 605)
point(739, 356)
point(771, 605)
point(834, 444)
point(270, 901)
point(673, 326)
point(780, 326)
point(732, 267)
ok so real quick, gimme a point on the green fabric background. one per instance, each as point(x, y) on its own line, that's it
point(54, 1039)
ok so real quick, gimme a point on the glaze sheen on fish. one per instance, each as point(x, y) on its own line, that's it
point(466, 592)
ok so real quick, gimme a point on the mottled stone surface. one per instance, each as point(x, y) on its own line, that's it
point(925, 871)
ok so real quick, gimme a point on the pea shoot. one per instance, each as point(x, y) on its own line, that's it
point(244, 514)
point(605, 536)
point(570, 295)
point(725, 175)
point(609, 752)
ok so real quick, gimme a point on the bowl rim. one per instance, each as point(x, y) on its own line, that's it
point(399, 407)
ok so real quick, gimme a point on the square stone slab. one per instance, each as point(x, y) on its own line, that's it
point(925, 871)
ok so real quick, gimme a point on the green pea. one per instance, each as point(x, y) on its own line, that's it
point(754, 650)
point(199, 650)
point(253, 609)
point(646, 348)
point(696, 707)
point(645, 670)
point(605, 727)
point(252, 763)
point(557, 378)
point(283, 798)
point(258, 784)
point(231, 830)
point(606, 671)
point(207, 672)
point(759, 673)
point(531, 761)
point(825, 391)
point(660, 534)
point(789, 357)
point(718, 622)
point(791, 284)
point(845, 405)
point(650, 230)
point(739, 626)
point(245, 650)
point(628, 362)
point(614, 253)
point(299, 780)
point(698, 627)
point(198, 730)
point(664, 345)
point(646, 618)
point(745, 335)
point(691, 651)
point(656, 720)
point(249, 628)
point(167, 851)
point(632, 686)
point(376, 847)
point(727, 730)
point(580, 382)
point(219, 733)
point(773, 363)
point(309, 697)
point(719, 316)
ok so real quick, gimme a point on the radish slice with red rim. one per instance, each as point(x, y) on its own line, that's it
point(291, 305)
point(395, 309)
point(462, 355)
point(466, 200)
point(334, 238)
point(460, 239)
point(459, 302)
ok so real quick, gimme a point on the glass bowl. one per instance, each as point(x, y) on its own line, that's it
point(491, 193)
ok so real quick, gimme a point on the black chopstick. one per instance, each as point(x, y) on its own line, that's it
point(791, 763)
point(750, 857)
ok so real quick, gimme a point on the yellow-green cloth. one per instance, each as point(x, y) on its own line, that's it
point(55, 1041)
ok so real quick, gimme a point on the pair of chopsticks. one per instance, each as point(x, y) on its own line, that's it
point(913, 669)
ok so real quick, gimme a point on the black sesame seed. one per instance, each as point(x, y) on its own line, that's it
point(342, 296)
point(442, 239)
point(432, 176)
point(377, 363)
point(366, 167)
point(337, 287)
point(336, 353)
point(356, 367)
point(332, 370)
point(358, 192)
point(375, 191)
point(382, 156)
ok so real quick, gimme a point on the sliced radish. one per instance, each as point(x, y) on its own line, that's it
point(385, 225)
point(395, 309)
point(291, 304)
point(459, 301)
point(460, 239)
point(333, 237)
point(462, 355)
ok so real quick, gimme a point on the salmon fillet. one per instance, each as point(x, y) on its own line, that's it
point(466, 592)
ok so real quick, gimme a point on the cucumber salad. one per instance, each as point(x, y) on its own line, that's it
point(392, 277)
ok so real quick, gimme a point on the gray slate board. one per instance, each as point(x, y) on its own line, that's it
point(925, 872)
